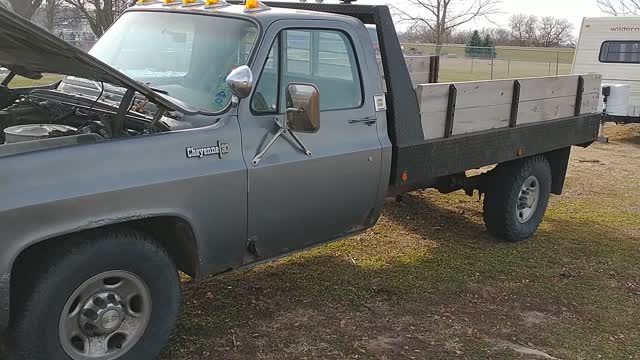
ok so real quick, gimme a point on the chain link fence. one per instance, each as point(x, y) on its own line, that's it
point(457, 62)
point(465, 63)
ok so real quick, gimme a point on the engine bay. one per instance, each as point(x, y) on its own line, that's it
point(39, 115)
point(44, 114)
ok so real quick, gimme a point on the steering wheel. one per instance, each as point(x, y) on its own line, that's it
point(5, 96)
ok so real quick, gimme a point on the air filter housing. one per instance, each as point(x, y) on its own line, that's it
point(32, 132)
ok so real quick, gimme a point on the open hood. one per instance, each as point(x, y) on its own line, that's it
point(28, 50)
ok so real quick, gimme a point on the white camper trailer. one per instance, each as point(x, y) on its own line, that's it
point(611, 46)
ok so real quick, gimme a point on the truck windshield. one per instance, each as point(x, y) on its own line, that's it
point(186, 55)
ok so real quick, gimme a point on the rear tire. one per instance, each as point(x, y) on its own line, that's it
point(117, 290)
point(517, 198)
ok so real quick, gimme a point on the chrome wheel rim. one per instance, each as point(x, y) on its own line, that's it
point(528, 199)
point(105, 317)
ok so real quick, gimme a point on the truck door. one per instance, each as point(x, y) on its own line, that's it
point(296, 200)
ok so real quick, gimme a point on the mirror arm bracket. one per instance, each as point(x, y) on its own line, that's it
point(297, 139)
point(281, 131)
point(256, 160)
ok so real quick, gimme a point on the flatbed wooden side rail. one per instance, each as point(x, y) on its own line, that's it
point(486, 105)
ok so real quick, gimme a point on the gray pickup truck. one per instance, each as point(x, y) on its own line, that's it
point(207, 137)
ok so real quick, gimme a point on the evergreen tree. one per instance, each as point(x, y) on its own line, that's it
point(489, 48)
point(474, 46)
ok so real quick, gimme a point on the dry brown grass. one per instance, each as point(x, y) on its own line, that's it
point(428, 282)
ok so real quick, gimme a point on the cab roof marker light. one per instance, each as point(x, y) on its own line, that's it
point(255, 5)
point(190, 3)
point(171, 2)
point(147, 2)
point(212, 4)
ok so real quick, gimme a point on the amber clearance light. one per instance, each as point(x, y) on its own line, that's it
point(255, 5)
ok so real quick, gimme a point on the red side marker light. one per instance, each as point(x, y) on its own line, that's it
point(405, 176)
point(520, 152)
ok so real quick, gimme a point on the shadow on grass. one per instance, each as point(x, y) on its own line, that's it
point(457, 252)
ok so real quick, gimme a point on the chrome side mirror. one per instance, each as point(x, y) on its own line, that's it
point(240, 81)
point(303, 108)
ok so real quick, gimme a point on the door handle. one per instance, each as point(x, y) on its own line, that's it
point(368, 121)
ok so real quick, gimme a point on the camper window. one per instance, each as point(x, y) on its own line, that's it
point(626, 52)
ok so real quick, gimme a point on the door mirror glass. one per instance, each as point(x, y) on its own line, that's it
point(303, 108)
point(240, 81)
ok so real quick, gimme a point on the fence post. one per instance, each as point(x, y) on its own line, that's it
point(549, 72)
point(492, 63)
point(434, 69)
point(509, 68)
point(558, 63)
point(472, 64)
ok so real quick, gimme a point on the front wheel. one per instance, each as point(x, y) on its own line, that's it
point(517, 198)
point(108, 296)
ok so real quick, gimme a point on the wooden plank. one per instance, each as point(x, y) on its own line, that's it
point(419, 78)
point(417, 64)
point(481, 119)
point(592, 83)
point(590, 103)
point(470, 94)
point(552, 109)
point(433, 125)
point(467, 121)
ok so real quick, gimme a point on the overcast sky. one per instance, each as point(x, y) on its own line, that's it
point(573, 10)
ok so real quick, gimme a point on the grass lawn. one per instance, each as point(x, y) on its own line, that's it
point(47, 79)
point(564, 56)
point(429, 283)
point(468, 69)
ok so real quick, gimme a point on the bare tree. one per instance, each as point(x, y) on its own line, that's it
point(524, 29)
point(51, 13)
point(25, 8)
point(100, 14)
point(500, 36)
point(443, 16)
point(554, 32)
point(528, 30)
point(459, 36)
point(620, 7)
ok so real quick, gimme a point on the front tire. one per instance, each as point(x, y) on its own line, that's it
point(110, 295)
point(517, 198)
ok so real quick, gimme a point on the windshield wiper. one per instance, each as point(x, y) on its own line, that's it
point(159, 91)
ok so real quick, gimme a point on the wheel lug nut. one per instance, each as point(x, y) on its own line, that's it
point(90, 314)
point(99, 302)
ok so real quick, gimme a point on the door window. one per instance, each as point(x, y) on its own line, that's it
point(325, 58)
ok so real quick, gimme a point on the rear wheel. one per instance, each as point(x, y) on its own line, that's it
point(112, 296)
point(517, 198)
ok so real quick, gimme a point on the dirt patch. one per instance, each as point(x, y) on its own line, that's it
point(535, 318)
